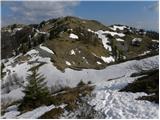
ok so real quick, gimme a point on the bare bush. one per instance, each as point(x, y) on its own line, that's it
point(57, 88)
point(84, 111)
point(5, 102)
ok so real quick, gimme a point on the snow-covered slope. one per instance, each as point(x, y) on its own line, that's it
point(122, 105)
point(107, 99)
point(69, 77)
point(14, 113)
point(34, 114)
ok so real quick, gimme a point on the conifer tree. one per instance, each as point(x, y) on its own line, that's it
point(36, 91)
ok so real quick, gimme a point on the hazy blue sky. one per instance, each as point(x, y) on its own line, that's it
point(141, 14)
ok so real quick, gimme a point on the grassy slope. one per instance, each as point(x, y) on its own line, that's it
point(63, 46)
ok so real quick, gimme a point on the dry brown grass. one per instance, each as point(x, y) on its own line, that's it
point(22, 58)
point(53, 114)
point(63, 47)
point(70, 97)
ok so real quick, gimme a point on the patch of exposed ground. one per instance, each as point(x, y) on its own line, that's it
point(78, 54)
point(71, 97)
point(149, 83)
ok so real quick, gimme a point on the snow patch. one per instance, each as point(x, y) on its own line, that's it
point(104, 40)
point(72, 52)
point(70, 29)
point(136, 40)
point(145, 52)
point(73, 36)
point(155, 41)
point(85, 60)
point(18, 29)
point(46, 49)
point(111, 33)
point(32, 52)
point(89, 30)
point(115, 27)
point(68, 63)
point(99, 63)
point(119, 39)
point(36, 113)
point(107, 59)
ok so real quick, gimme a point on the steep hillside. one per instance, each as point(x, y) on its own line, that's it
point(79, 43)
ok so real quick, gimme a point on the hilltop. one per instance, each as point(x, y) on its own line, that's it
point(79, 43)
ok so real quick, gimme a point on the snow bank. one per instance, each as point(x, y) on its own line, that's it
point(36, 113)
point(46, 49)
point(73, 36)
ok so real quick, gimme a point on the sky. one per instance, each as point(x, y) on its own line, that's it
point(139, 14)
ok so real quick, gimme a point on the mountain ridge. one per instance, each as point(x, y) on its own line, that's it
point(88, 43)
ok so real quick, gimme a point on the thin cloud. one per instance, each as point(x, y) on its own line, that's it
point(36, 11)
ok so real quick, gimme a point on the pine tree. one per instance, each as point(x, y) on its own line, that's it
point(36, 91)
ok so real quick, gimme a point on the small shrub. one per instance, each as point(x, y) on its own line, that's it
point(58, 88)
point(5, 102)
point(89, 82)
point(71, 107)
point(81, 83)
